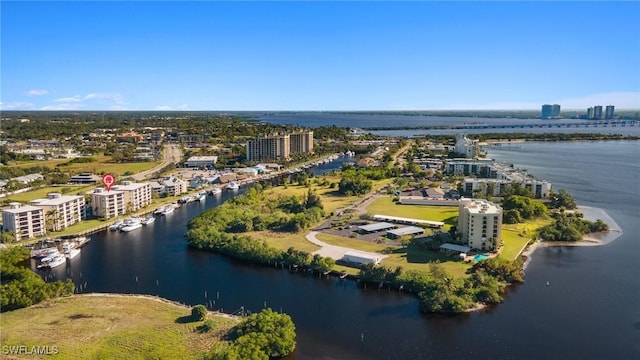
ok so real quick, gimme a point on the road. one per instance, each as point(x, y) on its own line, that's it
point(172, 154)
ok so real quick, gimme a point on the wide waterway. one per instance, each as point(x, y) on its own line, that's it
point(590, 310)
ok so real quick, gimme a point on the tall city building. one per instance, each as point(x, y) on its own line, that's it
point(608, 113)
point(590, 113)
point(301, 142)
point(480, 224)
point(597, 112)
point(279, 147)
point(550, 111)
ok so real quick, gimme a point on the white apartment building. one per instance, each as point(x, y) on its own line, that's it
point(136, 195)
point(466, 146)
point(174, 186)
point(107, 204)
point(480, 224)
point(495, 187)
point(62, 210)
point(23, 221)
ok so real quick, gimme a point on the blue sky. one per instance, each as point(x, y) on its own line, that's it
point(158, 55)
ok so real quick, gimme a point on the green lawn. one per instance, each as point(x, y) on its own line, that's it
point(516, 236)
point(385, 206)
point(41, 193)
point(408, 258)
point(284, 241)
point(112, 327)
point(102, 164)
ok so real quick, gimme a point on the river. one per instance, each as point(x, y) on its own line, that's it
point(590, 310)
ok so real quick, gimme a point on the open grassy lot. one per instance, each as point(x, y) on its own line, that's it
point(42, 192)
point(516, 236)
point(111, 327)
point(384, 205)
point(102, 164)
point(408, 258)
point(284, 241)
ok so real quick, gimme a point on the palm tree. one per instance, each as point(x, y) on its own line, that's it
point(52, 219)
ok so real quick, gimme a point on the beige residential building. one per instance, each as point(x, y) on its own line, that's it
point(23, 221)
point(480, 224)
point(62, 211)
point(174, 186)
point(107, 204)
point(136, 195)
point(269, 148)
point(301, 142)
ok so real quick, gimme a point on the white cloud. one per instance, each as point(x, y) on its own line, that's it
point(72, 99)
point(17, 106)
point(183, 107)
point(91, 101)
point(36, 92)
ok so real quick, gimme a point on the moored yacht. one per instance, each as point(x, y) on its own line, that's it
point(233, 186)
point(168, 209)
point(53, 261)
point(216, 191)
point(148, 220)
point(131, 224)
point(116, 225)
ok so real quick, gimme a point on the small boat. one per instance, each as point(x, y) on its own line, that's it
point(159, 210)
point(67, 246)
point(116, 225)
point(43, 253)
point(148, 220)
point(216, 191)
point(81, 241)
point(202, 195)
point(233, 186)
point(72, 253)
point(185, 200)
point(168, 209)
point(131, 224)
point(53, 261)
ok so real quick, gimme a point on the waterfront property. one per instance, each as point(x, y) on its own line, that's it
point(24, 221)
point(173, 186)
point(279, 147)
point(107, 204)
point(480, 224)
point(63, 210)
point(136, 195)
point(496, 187)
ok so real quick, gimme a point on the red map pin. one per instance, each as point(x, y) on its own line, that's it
point(108, 180)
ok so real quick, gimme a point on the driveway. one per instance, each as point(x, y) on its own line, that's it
point(337, 252)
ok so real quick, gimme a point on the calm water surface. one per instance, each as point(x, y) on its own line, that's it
point(591, 310)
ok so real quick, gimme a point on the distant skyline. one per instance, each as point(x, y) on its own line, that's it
point(318, 56)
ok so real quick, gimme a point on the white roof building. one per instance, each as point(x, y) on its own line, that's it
point(64, 210)
point(480, 224)
point(200, 161)
point(24, 221)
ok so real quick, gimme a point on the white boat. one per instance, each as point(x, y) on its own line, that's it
point(72, 253)
point(53, 261)
point(131, 227)
point(116, 225)
point(159, 210)
point(232, 186)
point(67, 246)
point(131, 224)
point(148, 220)
point(81, 241)
point(216, 191)
point(202, 195)
point(168, 209)
point(44, 253)
point(185, 199)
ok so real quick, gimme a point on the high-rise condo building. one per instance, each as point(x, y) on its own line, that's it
point(608, 113)
point(279, 147)
point(480, 224)
point(550, 111)
point(597, 112)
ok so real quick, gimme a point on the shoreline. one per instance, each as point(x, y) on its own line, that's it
point(591, 239)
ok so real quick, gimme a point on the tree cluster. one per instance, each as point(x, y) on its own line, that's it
point(440, 293)
point(518, 208)
point(21, 287)
point(263, 335)
point(570, 227)
point(220, 229)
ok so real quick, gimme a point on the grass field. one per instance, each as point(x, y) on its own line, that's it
point(385, 206)
point(516, 236)
point(407, 258)
point(102, 164)
point(284, 241)
point(111, 327)
point(41, 193)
